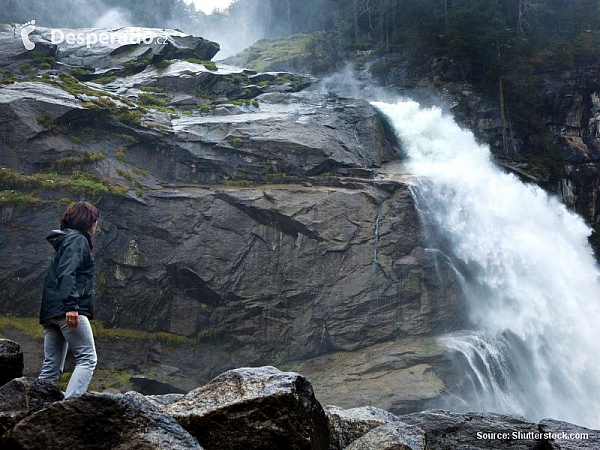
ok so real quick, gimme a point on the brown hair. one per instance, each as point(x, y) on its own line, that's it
point(79, 216)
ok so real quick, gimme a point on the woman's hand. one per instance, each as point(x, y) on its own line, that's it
point(72, 319)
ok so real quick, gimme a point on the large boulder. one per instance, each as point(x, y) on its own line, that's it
point(11, 361)
point(347, 425)
point(99, 421)
point(24, 396)
point(254, 408)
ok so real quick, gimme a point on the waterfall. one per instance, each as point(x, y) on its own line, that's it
point(530, 279)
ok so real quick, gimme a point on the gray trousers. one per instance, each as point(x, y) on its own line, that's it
point(58, 338)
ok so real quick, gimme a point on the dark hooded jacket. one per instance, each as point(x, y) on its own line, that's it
point(69, 282)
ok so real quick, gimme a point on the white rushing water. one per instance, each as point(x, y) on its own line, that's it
point(529, 275)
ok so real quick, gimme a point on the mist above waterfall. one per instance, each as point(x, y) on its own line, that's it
point(529, 275)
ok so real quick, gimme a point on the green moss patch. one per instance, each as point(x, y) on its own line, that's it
point(207, 64)
point(10, 197)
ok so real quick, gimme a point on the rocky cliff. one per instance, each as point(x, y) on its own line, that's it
point(243, 213)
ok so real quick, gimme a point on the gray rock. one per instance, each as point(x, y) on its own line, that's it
point(474, 431)
point(347, 425)
point(254, 408)
point(393, 436)
point(566, 436)
point(24, 396)
point(160, 401)
point(99, 421)
point(11, 361)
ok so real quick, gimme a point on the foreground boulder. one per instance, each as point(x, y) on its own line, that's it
point(442, 430)
point(445, 430)
point(392, 436)
point(347, 425)
point(24, 396)
point(254, 408)
point(99, 421)
point(11, 361)
point(566, 436)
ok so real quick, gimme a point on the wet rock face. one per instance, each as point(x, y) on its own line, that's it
point(402, 376)
point(11, 361)
point(22, 397)
point(248, 215)
point(99, 421)
point(254, 408)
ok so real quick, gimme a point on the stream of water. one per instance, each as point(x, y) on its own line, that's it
point(530, 279)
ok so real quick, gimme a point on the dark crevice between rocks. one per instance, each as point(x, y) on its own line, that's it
point(272, 219)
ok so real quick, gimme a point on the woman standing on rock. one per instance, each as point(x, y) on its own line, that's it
point(67, 298)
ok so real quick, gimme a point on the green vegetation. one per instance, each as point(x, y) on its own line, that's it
point(158, 126)
point(8, 76)
point(239, 183)
point(139, 171)
point(74, 87)
point(82, 184)
point(105, 79)
point(106, 103)
point(159, 103)
point(74, 139)
point(43, 62)
point(154, 89)
point(126, 175)
point(90, 105)
point(121, 154)
point(85, 159)
point(23, 68)
point(27, 325)
point(44, 121)
point(132, 117)
point(150, 100)
point(136, 63)
point(240, 102)
point(205, 109)
point(207, 64)
point(162, 64)
point(236, 143)
point(84, 71)
point(317, 51)
point(31, 327)
point(13, 197)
